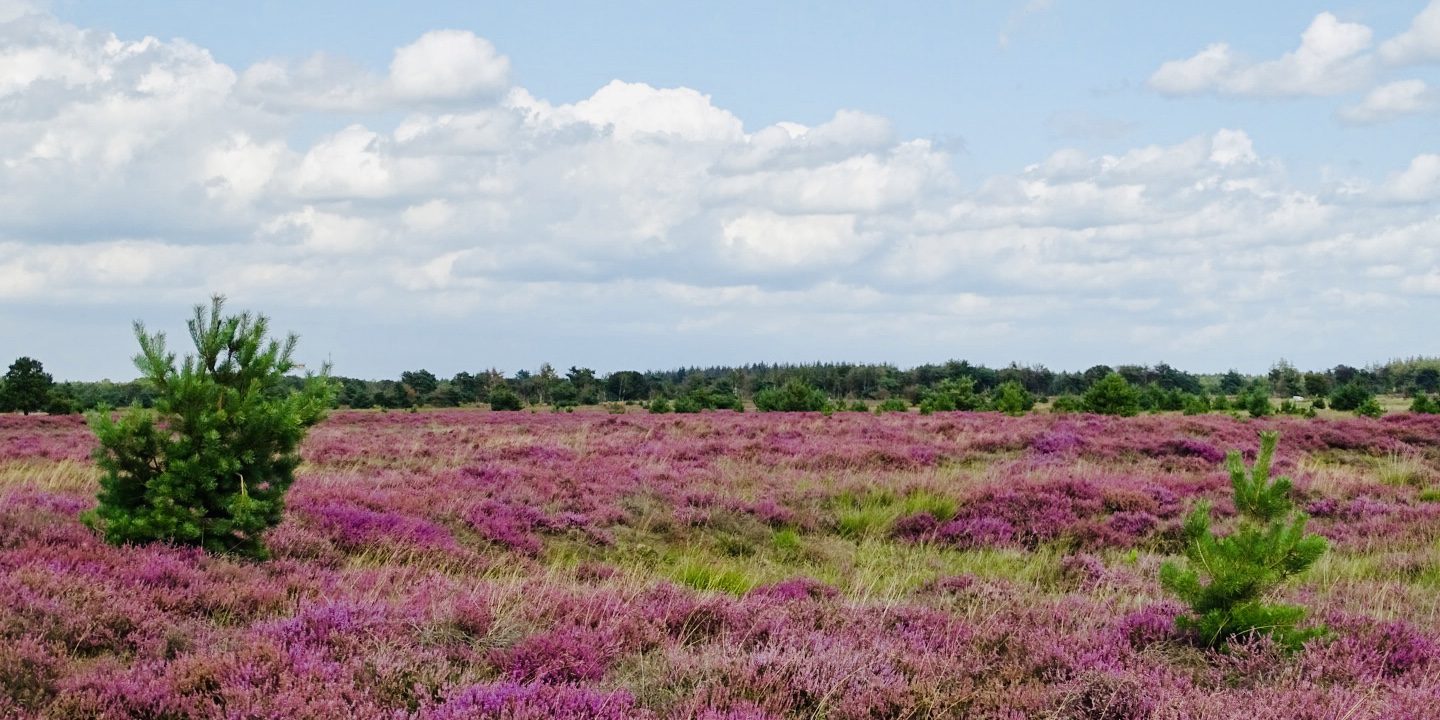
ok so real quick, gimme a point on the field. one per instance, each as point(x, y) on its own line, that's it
point(461, 564)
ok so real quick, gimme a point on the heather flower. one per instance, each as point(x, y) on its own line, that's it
point(567, 654)
point(516, 701)
point(800, 588)
point(1149, 625)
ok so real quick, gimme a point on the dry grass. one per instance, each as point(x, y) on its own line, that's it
point(64, 476)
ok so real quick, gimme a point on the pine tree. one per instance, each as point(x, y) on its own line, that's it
point(1113, 395)
point(1226, 579)
point(210, 465)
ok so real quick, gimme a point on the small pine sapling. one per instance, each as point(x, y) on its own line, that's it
point(1226, 580)
point(209, 466)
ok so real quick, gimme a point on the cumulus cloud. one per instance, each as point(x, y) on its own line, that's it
point(1419, 182)
point(1419, 43)
point(441, 67)
point(1332, 58)
point(649, 217)
point(1391, 101)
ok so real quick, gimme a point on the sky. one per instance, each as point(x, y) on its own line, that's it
point(644, 185)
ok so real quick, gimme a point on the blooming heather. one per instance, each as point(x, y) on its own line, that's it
point(465, 565)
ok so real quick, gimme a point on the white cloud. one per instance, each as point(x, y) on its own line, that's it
point(636, 111)
point(1417, 183)
point(237, 170)
point(1390, 101)
point(443, 67)
point(765, 242)
point(448, 65)
point(652, 212)
point(1331, 59)
point(1419, 43)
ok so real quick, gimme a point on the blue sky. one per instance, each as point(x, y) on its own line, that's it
point(464, 185)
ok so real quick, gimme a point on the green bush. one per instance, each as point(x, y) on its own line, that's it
point(660, 406)
point(1256, 401)
point(1112, 395)
point(793, 396)
point(504, 399)
point(1370, 408)
point(1318, 404)
point(1424, 404)
point(953, 394)
point(894, 404)
point(1268, 545)
point(1196, 405)
point(708, 399)
point(936, 402)
point(1350, 396)
point(1068, 404)
point(1012, 398)
point(210, 464)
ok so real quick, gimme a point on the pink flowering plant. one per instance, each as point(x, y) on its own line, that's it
point(467, 564)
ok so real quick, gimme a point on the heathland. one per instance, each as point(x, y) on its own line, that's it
point(470, 564)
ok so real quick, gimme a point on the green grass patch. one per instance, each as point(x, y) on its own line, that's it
point(1399, 469)
point(872, 513)
point(786, 542)
point(713, 576)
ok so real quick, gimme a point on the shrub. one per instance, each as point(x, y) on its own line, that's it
point(1012, 398)
point(504, 399)
point(936, 402)
point(1318, 404)
point(1424, 404)
point(859, 406)
point(1196, 405)
point(660, 406)
point(893, 404)
point(1268, 545)
point(1350, 396)
point(955, 394)
point(1068, 404)
point(1370, 408)
point(793, 396)
point(1255, 401)
point(210, 464)
point(1112, 395)
point(708, 399)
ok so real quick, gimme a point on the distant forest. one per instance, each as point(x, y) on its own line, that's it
point(1159, 386)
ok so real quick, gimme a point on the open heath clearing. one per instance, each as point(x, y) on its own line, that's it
point(461, 564)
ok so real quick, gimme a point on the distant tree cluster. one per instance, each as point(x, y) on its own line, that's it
point(953, 385)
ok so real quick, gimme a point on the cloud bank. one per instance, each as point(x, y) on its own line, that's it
point(144, 173)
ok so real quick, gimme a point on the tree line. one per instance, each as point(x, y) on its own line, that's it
point(956, 384)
